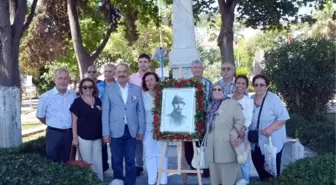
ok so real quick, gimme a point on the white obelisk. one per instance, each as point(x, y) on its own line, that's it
point(184, 43)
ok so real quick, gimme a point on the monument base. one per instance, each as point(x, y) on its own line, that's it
point(182, 58)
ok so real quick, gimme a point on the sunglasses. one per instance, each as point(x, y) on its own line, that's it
point(226, 68)
point(87, 87)
point(92, 71)
point(259, 85)
point(217, 89)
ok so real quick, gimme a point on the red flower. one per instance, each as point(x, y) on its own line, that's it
point(157, 96)
point(171, 81)
point(183, 81)
point(199, 125)
point(156, 131)
point(164, 137)
point(178, 85)
point(158, 87)
point(200, 102)
point(200, 109)
point(156, 123)
point(157, 104)
point(187, 137)
point(156, 118)
point(171, 137)
point(180, 137)
point(158, 136)
point(200, 97)
point(198, 85)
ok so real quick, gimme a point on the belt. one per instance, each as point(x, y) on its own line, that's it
point(60, 130)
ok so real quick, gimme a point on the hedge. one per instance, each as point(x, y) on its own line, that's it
point(28, 165)
point(318, 170)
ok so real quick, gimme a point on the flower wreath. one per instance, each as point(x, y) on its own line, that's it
point(199, 116)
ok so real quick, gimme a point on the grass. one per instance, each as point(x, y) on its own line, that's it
point(28, 125)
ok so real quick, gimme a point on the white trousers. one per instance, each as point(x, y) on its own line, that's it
point(153, 150)
point(91, 152)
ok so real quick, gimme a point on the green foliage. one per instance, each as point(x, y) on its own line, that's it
point(304, 74)
point(28, 165)
point(118, 48)
point(211, 60)
point(308, 171)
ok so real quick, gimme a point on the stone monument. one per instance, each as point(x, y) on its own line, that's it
point(184, 43)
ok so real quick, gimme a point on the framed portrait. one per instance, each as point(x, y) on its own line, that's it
point(178, 110)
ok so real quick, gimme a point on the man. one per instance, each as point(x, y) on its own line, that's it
point(227, 82)
point(53, 110)
point(93, 73)
point(143, 65)
point(109, 73)
point(197, 70)
point(176, 118)
point(124, 120)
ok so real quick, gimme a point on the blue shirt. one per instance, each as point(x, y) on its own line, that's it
point(101, 88)
point(54, 107)
point(273, 110)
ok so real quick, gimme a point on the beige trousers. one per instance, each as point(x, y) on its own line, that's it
point(224, 173)
point(91, 152)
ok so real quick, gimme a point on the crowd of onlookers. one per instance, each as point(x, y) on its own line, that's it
point(118, 111)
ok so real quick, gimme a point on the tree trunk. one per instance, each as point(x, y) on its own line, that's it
point(84, 58)
point(225, 37)
point(12, 25)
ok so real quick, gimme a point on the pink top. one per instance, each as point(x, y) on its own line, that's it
point(136, 79)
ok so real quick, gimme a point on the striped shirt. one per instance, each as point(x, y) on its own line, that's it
point(54, 107)
point(228, 88)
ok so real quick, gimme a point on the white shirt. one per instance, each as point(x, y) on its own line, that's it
point(124, 94)
point(246, 104)
point(54, 107)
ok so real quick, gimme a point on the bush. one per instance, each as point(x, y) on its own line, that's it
point(318, 170)
point(304, 74)
point(32, 168)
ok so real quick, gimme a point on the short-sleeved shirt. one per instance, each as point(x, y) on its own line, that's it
point(89, 124)
point(54, 107)
point(136, 79)
point(228, 88)
point(273, 110)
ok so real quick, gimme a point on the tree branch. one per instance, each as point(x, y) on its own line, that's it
point(109, 30)
point(20, 8)
point(233, 4)
point(30, 16)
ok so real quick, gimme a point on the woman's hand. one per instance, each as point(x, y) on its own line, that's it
point(242, 132)
point(75, 141)
point(267, 131)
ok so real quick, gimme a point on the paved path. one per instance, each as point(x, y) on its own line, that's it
point(192, 179)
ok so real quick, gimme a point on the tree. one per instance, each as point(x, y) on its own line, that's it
point(84, 58)
point(12, 27)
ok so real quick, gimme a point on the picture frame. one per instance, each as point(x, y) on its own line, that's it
point(191, 90)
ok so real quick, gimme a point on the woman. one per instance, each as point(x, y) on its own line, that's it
point(246, 103)
point(153, 148)
point(87, 125)
point(273, 116)
point(225, 119)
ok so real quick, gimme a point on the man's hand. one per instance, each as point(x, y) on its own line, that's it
point(139, 137)
point(267, 131)
point(75, 141)
point(107, 139)
point(242, 132)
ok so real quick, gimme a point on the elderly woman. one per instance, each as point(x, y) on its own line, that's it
point(224, 121)
point(153, 148)
point(268, 120)
point(246, 103)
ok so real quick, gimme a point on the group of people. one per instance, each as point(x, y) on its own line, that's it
point(118, 111)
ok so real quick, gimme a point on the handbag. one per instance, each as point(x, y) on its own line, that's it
point(253, 135)
point(200, 152)
point(79, 162)
point(270, 153)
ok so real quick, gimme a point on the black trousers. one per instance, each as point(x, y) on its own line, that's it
point(259, 161)
point(105, 157)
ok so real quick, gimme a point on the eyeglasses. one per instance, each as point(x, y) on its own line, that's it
point(87, 87)
point(217, 89)
point(226, 68)
point(259, 85)
point(92, 71)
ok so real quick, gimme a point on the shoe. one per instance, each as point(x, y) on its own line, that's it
point(206, 173)
point(139, 170)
